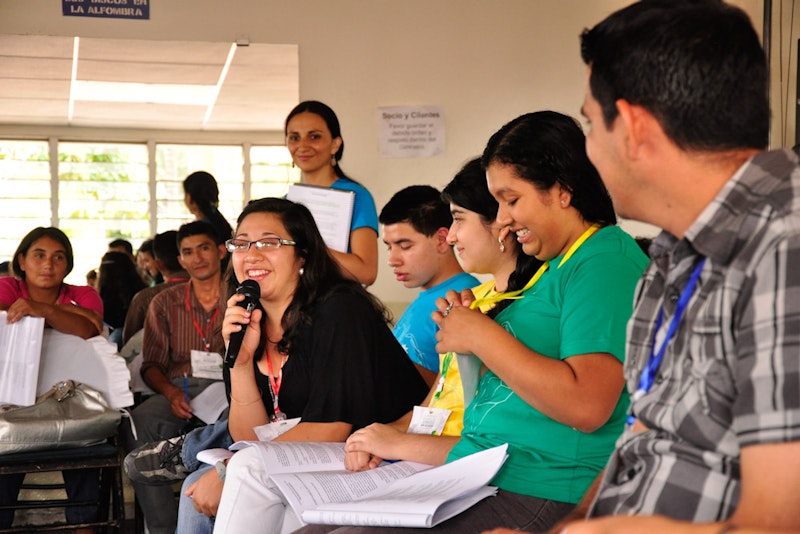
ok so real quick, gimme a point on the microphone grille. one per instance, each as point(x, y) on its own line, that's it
point(250, 289)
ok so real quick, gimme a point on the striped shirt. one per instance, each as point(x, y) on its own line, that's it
point(137, 311)
point(730, 376)
point(171, 331)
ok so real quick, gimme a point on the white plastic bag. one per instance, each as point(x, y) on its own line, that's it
point(20, 350)
point(93, 362)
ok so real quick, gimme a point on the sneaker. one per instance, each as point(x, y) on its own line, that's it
point(157, 463)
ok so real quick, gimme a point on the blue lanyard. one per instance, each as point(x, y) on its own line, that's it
point(654, 362)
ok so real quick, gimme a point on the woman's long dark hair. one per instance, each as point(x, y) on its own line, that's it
point(468, 189)
point(203, 189)
point(117, 282)
point(322, 277)
point(34, 235)
point(548, 148)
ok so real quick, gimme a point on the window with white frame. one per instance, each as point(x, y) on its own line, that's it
point(97, 192)
point(271, 171)
point(102, 195)
point(25, 198)
point(175, 162)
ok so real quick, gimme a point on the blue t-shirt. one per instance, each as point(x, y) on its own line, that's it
point(364, 212)
point(416, 331)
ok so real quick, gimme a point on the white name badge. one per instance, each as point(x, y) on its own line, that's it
point(206, 365)
point(429, 421)
point(271, 431)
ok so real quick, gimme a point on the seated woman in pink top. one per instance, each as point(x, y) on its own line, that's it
point(37, 289)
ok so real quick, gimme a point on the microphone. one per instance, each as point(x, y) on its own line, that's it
point(251, 292)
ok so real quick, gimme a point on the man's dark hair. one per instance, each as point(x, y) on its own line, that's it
point(697, 66)
point(421, 206)
point(165, 250)
point(195, 228)
point(124, 243)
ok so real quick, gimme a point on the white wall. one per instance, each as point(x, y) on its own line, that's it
point(485, 62)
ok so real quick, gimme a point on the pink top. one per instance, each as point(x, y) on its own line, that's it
point(86, 297)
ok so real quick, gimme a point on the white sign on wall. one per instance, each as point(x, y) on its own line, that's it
point(411, 131)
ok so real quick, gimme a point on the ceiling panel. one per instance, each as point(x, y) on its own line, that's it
point(142, 72)
point(32, 110)
point(36, 46)
point(34, 68)
point(199, 52)
point(15, 88)
point(35, 80)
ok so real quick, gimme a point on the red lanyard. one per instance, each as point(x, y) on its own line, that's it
point(203, 335)
point(274, 389)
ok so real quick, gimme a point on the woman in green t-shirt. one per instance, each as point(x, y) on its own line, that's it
point(552, 386)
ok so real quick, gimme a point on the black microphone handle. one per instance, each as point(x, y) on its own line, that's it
point(235, 342)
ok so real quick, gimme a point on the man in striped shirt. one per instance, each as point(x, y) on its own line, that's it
point(181, 319)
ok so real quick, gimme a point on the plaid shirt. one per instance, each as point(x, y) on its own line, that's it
point(730, 376)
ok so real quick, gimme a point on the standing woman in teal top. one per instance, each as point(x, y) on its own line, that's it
point(314, 140)
point(552, 387)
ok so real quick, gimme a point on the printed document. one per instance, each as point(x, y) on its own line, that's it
point(312, 478)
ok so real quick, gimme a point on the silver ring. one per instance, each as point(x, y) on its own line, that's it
point(446, 311)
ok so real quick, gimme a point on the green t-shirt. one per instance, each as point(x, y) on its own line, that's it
point(582, 307)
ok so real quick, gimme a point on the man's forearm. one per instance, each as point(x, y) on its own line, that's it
point(158, 381)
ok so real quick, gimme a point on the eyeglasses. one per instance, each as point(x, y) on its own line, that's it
point(267, 243)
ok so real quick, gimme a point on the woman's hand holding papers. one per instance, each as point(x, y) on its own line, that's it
point(366, 448)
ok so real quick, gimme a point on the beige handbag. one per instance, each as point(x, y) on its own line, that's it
point(69, 415)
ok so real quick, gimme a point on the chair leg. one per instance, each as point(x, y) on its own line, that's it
point(105, 493)
point(138, 517)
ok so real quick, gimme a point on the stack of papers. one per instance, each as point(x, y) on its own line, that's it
point(312, 478)
point(20, 347)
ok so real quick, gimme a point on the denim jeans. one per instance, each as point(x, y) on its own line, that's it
point(155, 421)
point(211, 436)
point(190, 521)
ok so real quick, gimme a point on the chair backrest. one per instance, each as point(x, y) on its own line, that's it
point(106, 458)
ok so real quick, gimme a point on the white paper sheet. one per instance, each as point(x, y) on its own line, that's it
point(210, 403)
point(20, 351)
point(138, 385)
point(212, 456)
point(332, 210)
point(423, 499)
point(272, 430)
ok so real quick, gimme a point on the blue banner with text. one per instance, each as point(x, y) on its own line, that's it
point(117, 9)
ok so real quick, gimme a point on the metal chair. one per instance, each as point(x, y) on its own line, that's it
point(106, 457)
